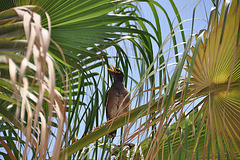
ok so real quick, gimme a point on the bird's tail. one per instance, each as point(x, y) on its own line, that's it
point(113, 134)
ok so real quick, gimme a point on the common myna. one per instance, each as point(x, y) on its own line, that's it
point(115, 96)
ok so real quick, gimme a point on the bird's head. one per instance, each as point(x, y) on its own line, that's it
point(117, 74)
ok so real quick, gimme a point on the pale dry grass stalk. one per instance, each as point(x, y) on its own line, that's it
point(30, 100)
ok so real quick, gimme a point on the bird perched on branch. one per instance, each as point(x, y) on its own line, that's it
point(116, 101)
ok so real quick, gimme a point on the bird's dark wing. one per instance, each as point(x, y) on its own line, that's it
point(112, 102)
point(123, 101)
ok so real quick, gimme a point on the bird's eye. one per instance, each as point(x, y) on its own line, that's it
point(118, 71)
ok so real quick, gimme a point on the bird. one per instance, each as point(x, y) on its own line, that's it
point(116, 101)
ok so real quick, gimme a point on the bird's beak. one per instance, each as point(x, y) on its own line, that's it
point(114, 69)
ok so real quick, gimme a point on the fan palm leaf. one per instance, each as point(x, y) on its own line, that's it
point(216, 71)
point(211, 129)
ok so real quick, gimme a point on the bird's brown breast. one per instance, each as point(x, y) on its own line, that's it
point(115, 102)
